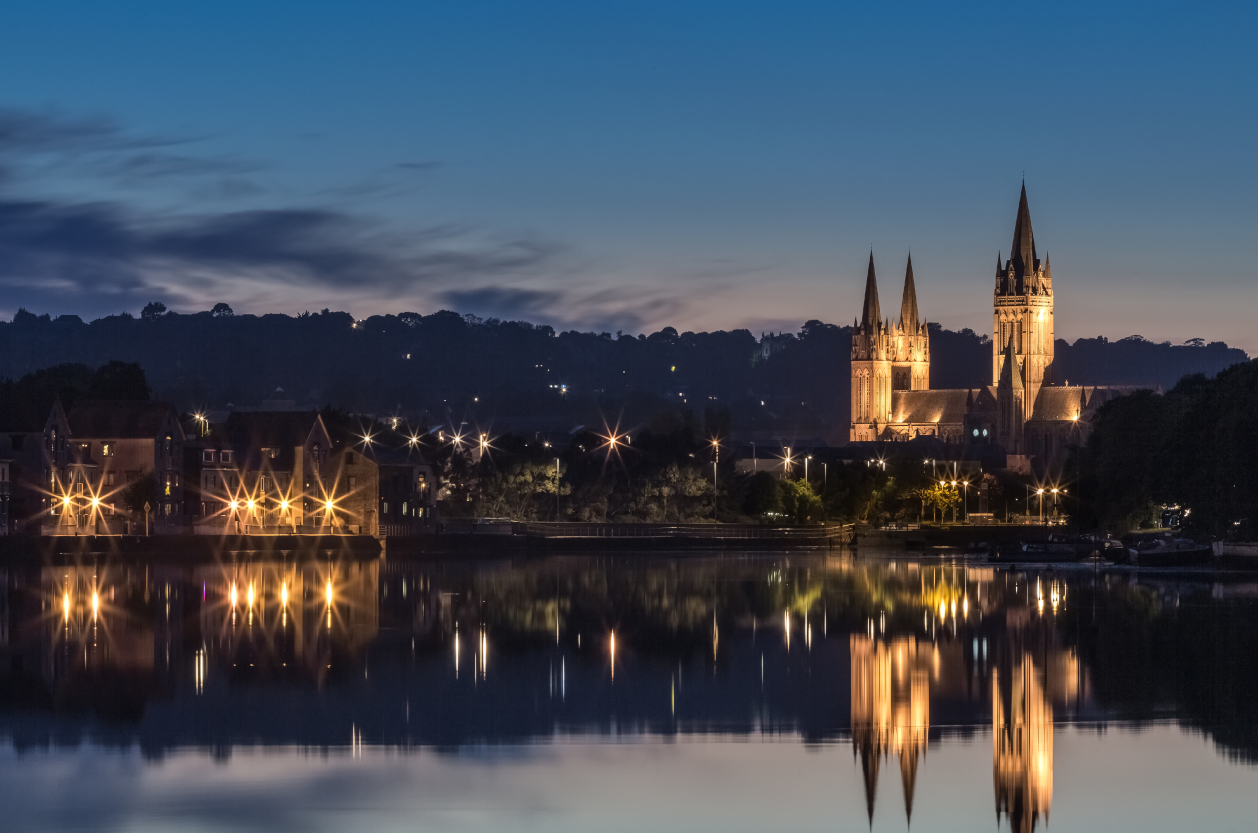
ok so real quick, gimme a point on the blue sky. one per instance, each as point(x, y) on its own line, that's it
point(630, 165)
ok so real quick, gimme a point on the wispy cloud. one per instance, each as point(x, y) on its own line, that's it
point(99, 257)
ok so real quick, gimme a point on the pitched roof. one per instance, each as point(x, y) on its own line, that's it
point(908, 306)
point(1023, 252)
point(870, 314)
point(272, 429)
point(106, 419)
point(930, 406)
point(1058, 404)
point(1010, 370)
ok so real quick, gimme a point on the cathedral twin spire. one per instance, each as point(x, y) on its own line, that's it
point(871, 313)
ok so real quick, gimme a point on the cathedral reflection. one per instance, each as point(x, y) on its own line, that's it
point(1022, 744)
point(890, 709)
point(1003, 647)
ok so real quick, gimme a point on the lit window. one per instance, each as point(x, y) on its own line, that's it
point(106, 449)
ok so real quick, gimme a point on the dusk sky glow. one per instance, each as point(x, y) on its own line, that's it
point(630, 166)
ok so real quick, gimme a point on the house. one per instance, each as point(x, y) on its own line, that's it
point(96, 451)
point(267, 473)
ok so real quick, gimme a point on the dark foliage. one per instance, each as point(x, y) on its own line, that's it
point(1196, 447)
point(26, 403)
point(454, 368)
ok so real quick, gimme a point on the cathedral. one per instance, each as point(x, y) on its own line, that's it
point(1022, 410)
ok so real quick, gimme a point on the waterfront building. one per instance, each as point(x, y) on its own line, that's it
point(97, 450)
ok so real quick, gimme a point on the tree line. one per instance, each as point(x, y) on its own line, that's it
point(444, 366)
point(1195, 448)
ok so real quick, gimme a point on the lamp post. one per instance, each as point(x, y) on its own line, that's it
point(755, 464)
point(806, 459)
point(557, 490)
point(716, 452)
point(965, 501)
point(1040, 492)
point(954, 506)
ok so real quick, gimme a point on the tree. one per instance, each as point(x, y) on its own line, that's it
point(517, 491)
point(940, 497)
point(120, 380)
point(222, 311)
point(140, 492)
point(799, 502)
point(764, 495)
point(153, 311)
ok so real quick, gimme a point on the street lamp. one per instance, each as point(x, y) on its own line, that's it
point(806, 459)
point(556, 489)
point(954, 506)
point(716, 451)
point(1040, 492)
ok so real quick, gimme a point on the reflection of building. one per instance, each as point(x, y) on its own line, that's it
point(272, 618)
point(890, 709)
point(1022, 745)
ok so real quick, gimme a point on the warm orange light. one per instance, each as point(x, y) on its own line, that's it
point(250, 505)
point(328, 506)
point(250, 595)
point(233, 595)
point(284, 594)
point(328, 592)
point(284, 505)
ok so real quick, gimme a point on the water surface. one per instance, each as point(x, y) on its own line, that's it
point(627, 693)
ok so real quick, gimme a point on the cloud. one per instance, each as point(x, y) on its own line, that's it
point(503, 302)
point(579, 308)
point(29, 131)
point(97, 257)
point(36, 144)
point(102, 250)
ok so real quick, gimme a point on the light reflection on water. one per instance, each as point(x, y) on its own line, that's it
point(621, 694)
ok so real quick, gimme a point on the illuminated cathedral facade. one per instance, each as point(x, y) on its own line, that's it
point(1023, 409)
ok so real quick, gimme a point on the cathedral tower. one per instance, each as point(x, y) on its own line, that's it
point(910, 367)
point(1011, 401)
point(1023, 312)
point(873, 348)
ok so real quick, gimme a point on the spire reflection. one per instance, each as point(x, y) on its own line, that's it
point(890, 710)
point(1022, 745)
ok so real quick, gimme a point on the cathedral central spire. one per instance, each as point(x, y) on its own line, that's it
point(871, 315)
point(1023, 252)
point(908, 306)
